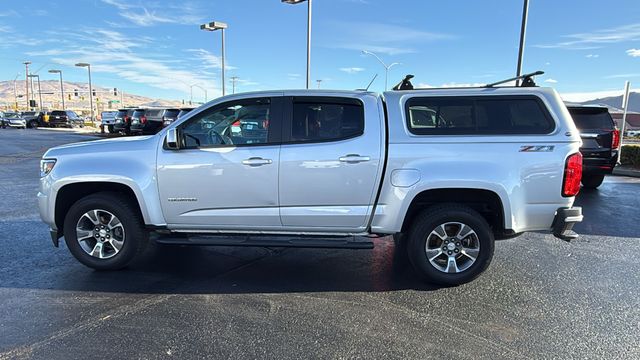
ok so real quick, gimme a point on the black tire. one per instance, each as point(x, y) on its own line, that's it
point(33, 124)
point(592, 181)
point(136, 237)
point(431, 218)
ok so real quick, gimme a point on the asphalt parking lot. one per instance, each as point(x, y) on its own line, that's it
point(541, 297)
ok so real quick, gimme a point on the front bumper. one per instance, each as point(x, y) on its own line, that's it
point(563, 222)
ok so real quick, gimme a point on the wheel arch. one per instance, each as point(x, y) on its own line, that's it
point(70, 193)
point(485, 201)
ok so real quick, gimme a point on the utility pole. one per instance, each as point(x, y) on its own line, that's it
point(26, 81)
point(319, 81)
point(233, 84)
point(523, 31)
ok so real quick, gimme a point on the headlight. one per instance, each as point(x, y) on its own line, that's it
point(46, 165)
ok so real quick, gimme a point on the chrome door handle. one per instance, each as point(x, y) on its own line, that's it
point(354, 158)
point(256, 161)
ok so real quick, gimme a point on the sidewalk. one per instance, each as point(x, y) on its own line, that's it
point(626, 171)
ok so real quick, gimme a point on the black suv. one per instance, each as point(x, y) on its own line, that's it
point(122, 123)
point(600, 142)
point(150, 121)
point(65, 118)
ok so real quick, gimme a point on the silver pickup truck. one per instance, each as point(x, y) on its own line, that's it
point(446, 171)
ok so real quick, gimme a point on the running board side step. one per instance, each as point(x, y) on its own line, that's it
point(343, 242)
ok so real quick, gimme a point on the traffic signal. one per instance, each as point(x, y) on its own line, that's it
point(115, 91)
point(75, 92)
point(94, 93)
point(69, 95)
point(32, 103)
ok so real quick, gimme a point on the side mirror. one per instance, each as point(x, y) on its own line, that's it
point(172, 139)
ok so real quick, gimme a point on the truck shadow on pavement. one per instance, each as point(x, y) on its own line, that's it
point(171, 269)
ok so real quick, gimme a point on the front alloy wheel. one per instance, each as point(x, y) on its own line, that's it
point(105, 231)
point(100, 234)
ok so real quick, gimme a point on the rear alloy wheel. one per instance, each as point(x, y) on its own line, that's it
point(592, 181)
point(450, 244)
point(104, 231)
point(33, 124)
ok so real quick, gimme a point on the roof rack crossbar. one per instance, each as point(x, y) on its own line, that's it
point(527, 79)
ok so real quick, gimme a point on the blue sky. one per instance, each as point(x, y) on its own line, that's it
point(155, 48)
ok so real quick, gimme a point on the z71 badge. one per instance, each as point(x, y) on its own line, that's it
point(536, 148)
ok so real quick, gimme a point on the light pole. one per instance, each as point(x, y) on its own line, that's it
point(88, 66)
point(523, 32)
point(213, 26)
point(15, 91)
point(386, 67)
point(39, 89)
point(201, 88)
point(319, 81)
point(26, 82)
point(61, 86)
point(294, 2)
point(233, 83)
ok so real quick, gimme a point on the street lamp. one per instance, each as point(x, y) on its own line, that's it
point(26, 82)
point(386, 67)
point(39, 89)
point(203, 89)
point(61, 86)
point(234, 79)
point(15, 91)
point(213, 26)
point(294, 2)
point(88, 66)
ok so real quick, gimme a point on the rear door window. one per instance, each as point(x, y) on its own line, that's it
point(486, 115)
point(326, 119)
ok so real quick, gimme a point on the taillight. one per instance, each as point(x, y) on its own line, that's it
point(572, 175)
point(615, 139)
point(126, 119)
point(143, 119)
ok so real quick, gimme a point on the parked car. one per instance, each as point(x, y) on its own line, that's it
point(632, 133)
point(184, 111)
point(142, 124)
point(64, 118)
point(14, 120)
point(34, 119)
point(163, 117)
point(600, 142)
point(108, 119)
point(122, 122)
point(318, 168)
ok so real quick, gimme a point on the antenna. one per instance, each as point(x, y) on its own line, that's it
point(527, 79)
point(371, 82)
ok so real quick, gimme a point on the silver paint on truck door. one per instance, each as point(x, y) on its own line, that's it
point(329, 172)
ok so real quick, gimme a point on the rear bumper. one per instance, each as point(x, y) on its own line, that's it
point(599, 165)
point(563, 222)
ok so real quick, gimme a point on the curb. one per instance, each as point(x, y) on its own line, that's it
point(626, 171)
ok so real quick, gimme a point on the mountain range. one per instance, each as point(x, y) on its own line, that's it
point(104, 99)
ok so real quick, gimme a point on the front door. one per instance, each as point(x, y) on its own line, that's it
point(225, 174)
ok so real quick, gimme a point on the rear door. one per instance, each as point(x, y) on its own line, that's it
point(330, 162)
